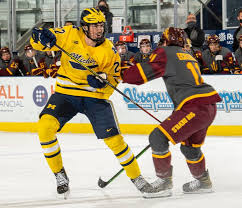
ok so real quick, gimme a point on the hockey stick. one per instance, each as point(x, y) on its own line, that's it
point(102, 183)
point(106, 81)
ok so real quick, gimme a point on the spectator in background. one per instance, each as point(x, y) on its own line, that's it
point(217, 59)
point(123, 51)
point(104, 7)
point(10, 65)
point(238, 31)
point(52, 63)
point(34, 62)
point(194, 33)
point(238, 56)
point(144, 52)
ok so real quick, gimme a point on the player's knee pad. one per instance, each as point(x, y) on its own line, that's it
point(191, 153)
point(158, 141)
point(47, 128)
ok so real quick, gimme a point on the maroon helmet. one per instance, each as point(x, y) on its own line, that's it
point(28, 47)
point(174, 36)
point(144, 42)
point(120, 43)
point(4, 50)
point(212, 39)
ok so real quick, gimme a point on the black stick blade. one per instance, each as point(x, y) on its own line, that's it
point(102, 183)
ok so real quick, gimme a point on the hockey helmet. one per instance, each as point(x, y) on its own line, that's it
point(144, 42)
point(120, 43)
point(121, 50)
point(92, 16)
point(145, 47)
point(174, 36)
point(28, 47)
point(212, 39)
point(4, 50)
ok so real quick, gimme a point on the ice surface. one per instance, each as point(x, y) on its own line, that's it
point(27, 182)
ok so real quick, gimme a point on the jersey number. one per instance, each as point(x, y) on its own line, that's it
point(116, 65)
point(194, 68)
point(42, 65)
point(13, 65)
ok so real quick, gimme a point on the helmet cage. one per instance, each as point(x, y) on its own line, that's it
point(145, 42)
point(4, 50)
point(213, 39)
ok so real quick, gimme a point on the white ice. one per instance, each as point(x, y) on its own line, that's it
point(27, 182)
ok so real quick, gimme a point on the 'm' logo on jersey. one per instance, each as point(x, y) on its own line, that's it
point(90, 62)
point(51, 106)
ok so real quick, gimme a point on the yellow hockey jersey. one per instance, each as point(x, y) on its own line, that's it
point(72, 77)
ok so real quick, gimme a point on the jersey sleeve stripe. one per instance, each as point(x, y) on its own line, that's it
point(9, 71)
point(141, 71)
point(153, 57)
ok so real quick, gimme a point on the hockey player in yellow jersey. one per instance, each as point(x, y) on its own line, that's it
point(78, 91)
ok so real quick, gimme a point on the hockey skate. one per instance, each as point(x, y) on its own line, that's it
point(62, 183)
point(153, 190)
point(200, 185)
point(162, 186)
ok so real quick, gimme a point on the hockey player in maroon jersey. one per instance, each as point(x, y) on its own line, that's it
point(52, 62)
point(10, 65)
point(123, 51)
point(144, 53)
point(34, 62)
point(194, 111)
point(238, 57)
point(217, 59)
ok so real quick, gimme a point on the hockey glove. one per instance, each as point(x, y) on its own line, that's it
point(39, 72)
point(96, 82)
point(45, 37)
point(52, 71)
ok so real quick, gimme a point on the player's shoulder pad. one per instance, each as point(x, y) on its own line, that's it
point(225, 50)
point(206, 52)
point(71, 27)
point(109, 44)
point(64, 29)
